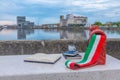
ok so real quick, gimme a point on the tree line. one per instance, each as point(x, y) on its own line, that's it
point(117, 24)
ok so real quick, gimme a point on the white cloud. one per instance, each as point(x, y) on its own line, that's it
point(93, 5)
point(46, 2)
point(37, 12)
point(9, 6)
point(90, 5)
point(49, 20)
point(76, 5)
point(8, 19)
point(31, 19)
point(5, 22)
point(112, 13)
point(108, 8)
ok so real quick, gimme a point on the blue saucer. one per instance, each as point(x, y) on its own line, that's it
point(71, 53)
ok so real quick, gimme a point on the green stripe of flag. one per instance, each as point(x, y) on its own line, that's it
point(89, 48)
point(87, 53)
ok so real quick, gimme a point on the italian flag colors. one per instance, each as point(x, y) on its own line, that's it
point(92, 55)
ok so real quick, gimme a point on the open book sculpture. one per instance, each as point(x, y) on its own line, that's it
point(43, 58)
point(95, 53)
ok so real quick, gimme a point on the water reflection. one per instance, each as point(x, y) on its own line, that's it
point(22, 33)
point(76, 35)
point(50, 34)
point(112, 33)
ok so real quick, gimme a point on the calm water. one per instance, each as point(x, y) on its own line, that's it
point(48, 34)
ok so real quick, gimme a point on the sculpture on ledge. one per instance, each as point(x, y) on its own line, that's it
point(95, 53)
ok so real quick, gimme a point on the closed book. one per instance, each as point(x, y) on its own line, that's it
point(43, 58)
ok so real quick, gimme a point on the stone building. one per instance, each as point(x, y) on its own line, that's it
point(72, 20)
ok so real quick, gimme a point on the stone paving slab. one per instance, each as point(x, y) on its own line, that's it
point(14, 68)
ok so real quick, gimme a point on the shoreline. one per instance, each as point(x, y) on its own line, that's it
point(65, 28)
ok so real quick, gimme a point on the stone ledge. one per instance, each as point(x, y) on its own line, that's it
point(52, 46)
point(13, 68)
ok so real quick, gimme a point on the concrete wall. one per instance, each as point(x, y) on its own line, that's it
point(55, 46)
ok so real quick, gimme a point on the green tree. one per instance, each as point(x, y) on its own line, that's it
point(118, 24)
point(98, 23)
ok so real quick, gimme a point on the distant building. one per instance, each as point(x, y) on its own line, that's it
point(29, 24)
point(72, 20)
point(50, 25)
point(63, 22)
point(22, 23)
point(10, 26)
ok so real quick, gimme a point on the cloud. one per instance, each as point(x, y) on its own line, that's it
point(85, 4)
point(93, 5)
point(113, 13)
point(49, 20)
point(44, 2)
point(31, 19)
point(5, 22)
point(9, 6)
point(74, 6)
point(48, 11)
point(7, 17)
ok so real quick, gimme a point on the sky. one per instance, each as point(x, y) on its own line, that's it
point(48, 11)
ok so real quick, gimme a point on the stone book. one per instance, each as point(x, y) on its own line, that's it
point(43, 58)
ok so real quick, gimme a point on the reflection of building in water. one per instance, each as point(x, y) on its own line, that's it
point(63, 34)
point(50, 30)
point(87, 33)
point(71, 35)
point(22, 23)
point(72, 20)
point(22, 33)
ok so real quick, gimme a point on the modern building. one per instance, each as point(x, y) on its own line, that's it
point(22, 23)
point(72, 20)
